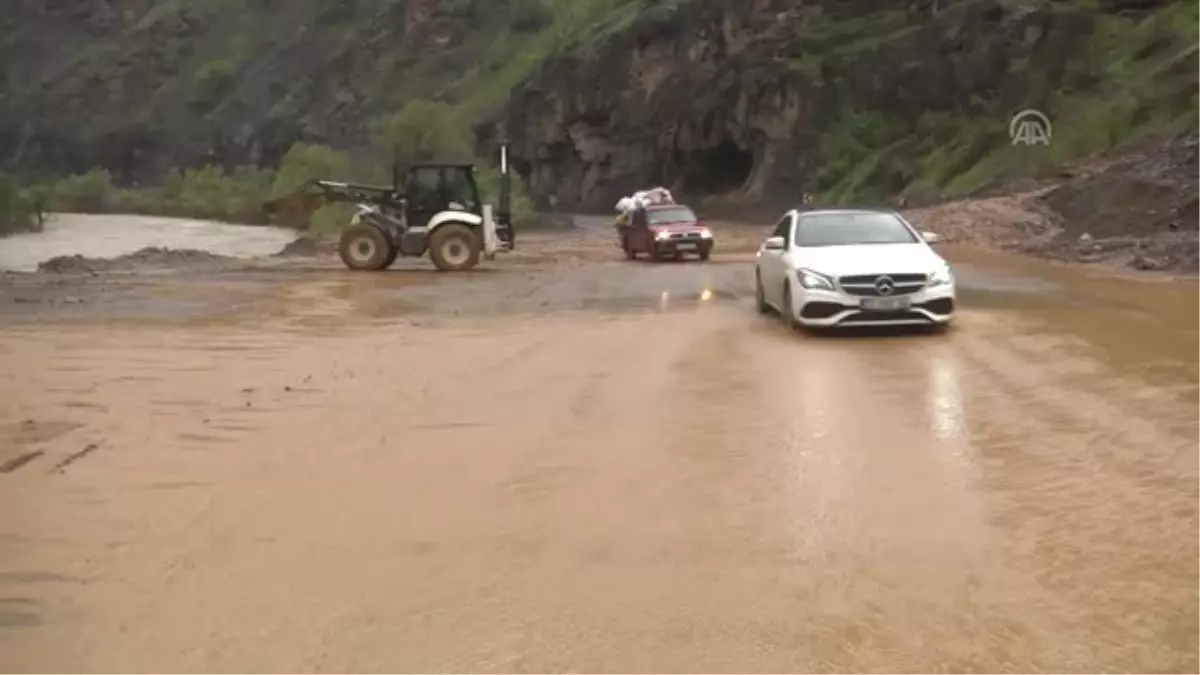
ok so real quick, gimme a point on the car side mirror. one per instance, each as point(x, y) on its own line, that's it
point(774, 244)
point(930, 237)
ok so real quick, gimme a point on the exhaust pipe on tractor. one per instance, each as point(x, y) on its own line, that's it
point(498, 231)
point(396, 168)
point(504, 225)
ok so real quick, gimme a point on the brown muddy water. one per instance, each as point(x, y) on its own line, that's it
point(566, 462)
point(94, 236)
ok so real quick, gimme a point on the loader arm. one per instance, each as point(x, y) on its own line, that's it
point(296, 208)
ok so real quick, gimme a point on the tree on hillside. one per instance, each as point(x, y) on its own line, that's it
point(304, 162)
point(424, 131)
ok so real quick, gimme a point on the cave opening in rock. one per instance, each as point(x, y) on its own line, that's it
point(716, 170)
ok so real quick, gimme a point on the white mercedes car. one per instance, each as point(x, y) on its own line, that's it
point(853, 267)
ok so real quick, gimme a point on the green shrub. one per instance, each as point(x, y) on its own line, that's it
point(209, 192)
point(21, 208)
point(305, 161)
point(488, 177)
point(91, 192)
point(424, 131)
point(203, 192)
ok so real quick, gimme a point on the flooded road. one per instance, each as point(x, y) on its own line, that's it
point(111, 236)
point(566, 462)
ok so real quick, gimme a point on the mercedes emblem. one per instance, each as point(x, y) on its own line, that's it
point(885, 285)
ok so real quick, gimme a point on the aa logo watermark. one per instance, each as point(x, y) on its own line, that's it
point(1030, 127)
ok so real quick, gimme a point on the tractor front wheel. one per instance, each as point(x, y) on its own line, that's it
point(455, 248)
point(392, 255)
point(364, 247)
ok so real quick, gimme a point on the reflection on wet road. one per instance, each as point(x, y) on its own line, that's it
point(944, 401)
point(604, 468)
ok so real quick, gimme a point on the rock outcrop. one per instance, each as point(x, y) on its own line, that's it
point(722, 97)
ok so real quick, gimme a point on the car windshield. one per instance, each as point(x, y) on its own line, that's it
point(675, 214)
point(848, 229)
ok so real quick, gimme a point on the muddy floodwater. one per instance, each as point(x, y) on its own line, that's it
point(568, 462)
point(111, 236)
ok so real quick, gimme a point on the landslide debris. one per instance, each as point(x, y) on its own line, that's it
point(1137, 210)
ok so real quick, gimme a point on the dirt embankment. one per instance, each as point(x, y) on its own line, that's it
point(1137, 211)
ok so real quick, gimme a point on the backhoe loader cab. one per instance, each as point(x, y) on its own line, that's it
point(431, 189)
point(432, 207)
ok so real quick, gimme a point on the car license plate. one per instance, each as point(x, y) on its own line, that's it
point(885, 304)
point(685, 247)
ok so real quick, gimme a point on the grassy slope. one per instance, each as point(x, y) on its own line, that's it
point(1135, 79)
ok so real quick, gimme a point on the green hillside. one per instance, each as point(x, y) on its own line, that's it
point(188, 107)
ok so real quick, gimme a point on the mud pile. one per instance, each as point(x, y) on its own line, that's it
point(1137, 211)
point(1143, 193)
point(151, 257)
point(308, 247)
point(1000, 222)
point(1140, 211)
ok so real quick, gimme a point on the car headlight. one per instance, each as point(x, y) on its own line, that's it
point(942, 277)
point(814, 280)
point(662, 234)
point(705, 233)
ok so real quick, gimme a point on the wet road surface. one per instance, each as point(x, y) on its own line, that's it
point(571, 463)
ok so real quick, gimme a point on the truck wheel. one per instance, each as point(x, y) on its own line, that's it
point(704, 253)
point(364, 247)
point(454, 248)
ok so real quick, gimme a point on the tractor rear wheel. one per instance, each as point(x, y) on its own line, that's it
point(364, 247)
point(454, 248)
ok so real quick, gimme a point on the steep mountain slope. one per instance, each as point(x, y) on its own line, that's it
point(851, 99)
point(757, 100)
point(139, 86)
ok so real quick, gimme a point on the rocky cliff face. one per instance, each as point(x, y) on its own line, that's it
point(140, 86)
point(745, 98)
